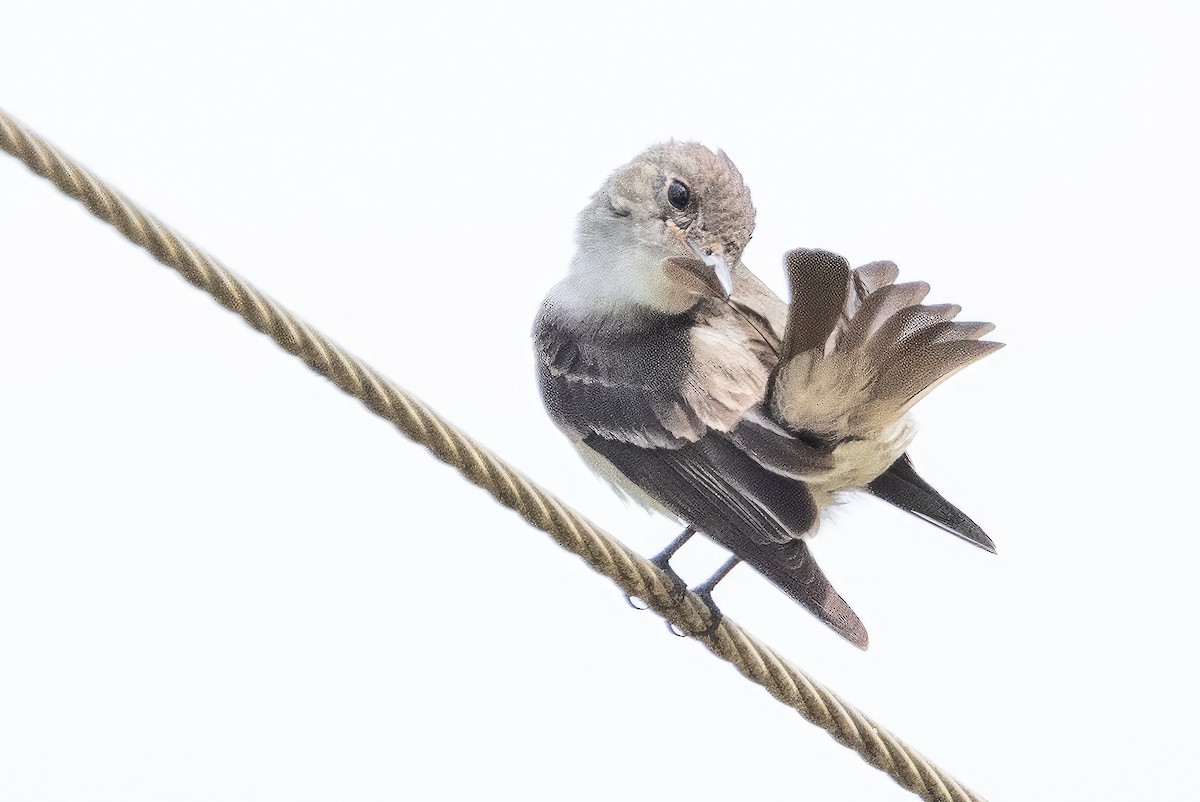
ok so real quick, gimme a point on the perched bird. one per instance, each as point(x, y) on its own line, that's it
point(693, 389)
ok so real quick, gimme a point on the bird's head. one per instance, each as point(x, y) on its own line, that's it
point(670, 224)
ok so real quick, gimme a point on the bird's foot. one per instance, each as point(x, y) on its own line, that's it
point(705, 591)
point(676, 591)
point(662, 561)
point(678, 586)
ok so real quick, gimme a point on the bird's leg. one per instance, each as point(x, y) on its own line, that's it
point(704, 591)
point(663, 558)
point(663, 561)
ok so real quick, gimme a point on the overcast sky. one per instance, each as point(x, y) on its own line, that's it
point(222, 579)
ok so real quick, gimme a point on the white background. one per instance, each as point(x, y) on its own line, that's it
point(222, 579)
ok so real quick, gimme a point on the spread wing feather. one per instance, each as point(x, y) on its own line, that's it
point(858, 377)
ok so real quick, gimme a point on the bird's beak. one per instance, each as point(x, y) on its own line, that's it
point(716, 261)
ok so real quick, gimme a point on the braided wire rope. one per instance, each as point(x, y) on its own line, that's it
point(634, 574)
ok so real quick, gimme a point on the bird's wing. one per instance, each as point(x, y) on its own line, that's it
point(640, 404)
point(631, 384)
point(854, 374)
point(751, 511)
point(880, 355)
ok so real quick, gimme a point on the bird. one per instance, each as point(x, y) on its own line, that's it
point(695, 391)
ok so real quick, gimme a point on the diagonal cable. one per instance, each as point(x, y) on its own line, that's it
point(634, 574)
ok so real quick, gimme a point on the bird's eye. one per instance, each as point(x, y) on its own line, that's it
point(678, 194)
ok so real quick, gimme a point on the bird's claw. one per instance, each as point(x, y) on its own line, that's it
point(678, 587)
point(704, 591)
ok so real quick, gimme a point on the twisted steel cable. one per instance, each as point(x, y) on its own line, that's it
point(635, 575)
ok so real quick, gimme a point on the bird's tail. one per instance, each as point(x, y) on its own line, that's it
point(859, 351)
